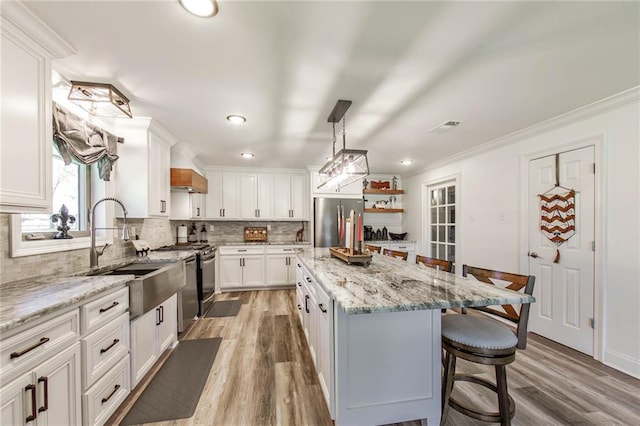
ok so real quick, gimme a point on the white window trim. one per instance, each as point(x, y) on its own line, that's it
point(19, 247)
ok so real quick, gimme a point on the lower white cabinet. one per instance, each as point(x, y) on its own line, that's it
point(104, 397)
point(151, 334)
point(48, 394)
point(242, 267)
point(281, 266)
point(317, 316)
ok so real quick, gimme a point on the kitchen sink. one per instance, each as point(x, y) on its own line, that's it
point(153, 283)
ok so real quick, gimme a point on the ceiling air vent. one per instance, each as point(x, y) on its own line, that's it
point(447, 125)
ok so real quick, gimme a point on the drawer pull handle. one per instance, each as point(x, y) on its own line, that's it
point(299, 307)
point(242, 250)
point(113, 305)
point(115, 389)
point(42, 341)
point(321, 306)
point(308, 279)
point(34, 414)
point(45, 406)
point(115, 342)
point(306, 307)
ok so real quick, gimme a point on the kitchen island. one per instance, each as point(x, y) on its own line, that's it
point(378, 349)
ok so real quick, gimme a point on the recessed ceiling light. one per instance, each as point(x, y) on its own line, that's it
point(406, 162)
point(236, 119)
point(447, 125)
point(202, 8)
point(247, 155)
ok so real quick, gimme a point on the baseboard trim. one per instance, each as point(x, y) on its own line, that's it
point(622, 362)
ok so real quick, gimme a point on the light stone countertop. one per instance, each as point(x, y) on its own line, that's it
point(389, 285)
point(27, 300)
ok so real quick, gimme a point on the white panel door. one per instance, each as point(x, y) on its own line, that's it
point(144, 344)
point(231, 195)
point(282, 196)
point(253, 271)
point(266, 190)
point(277, 269)
point(299, 197)
point(564, 290)
point(58, 382)
point(213, 200)
point(248, 196)
point(13, 397)
point(168, 327)
point(230, 271)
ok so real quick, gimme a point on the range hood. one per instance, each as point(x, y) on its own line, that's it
point(188, 179)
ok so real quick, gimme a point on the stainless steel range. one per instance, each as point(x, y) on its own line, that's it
point(197, 295)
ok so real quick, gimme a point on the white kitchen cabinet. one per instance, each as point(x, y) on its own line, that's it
point(408, 246)
point(256, 195)
point(317, 316)
point(223, 196)
point(143, 171)
point(281, 266)
point(291, 196)
point(25, 112)
point(187, 205)
point(49, 394)
point(241, 267)
point(151, 334)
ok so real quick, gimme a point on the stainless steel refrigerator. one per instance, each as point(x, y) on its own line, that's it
point(326, 214)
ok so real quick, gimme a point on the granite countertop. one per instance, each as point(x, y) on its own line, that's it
point(27, 300)
point(389, 285)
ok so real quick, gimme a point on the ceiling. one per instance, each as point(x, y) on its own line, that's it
point(407, 66)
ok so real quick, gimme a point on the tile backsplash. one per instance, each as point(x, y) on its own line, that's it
point(157, 232)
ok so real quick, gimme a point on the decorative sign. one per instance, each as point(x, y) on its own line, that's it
point(557, 216)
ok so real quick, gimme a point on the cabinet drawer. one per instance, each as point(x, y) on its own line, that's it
point(103, 398)
point(99, 312)
point(241, 251)
point(24, 350)
point(282, 250)
point(103, 348)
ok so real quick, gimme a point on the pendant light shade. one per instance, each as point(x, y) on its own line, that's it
point(347, 165)
point(100, 99)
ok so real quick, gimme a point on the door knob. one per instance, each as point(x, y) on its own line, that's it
point(532, 254)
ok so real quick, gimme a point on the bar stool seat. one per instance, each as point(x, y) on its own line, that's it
point(478, 332)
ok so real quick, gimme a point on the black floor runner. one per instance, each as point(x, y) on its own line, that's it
point(175, 390)
point(224, 308)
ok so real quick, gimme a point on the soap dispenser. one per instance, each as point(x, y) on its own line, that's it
point(203, 234)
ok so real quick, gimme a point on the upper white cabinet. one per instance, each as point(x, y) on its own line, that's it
point(291, 196)
point(244, 195)
point(256, 199)
point(187, 205)
point(27, 47)
point(143, 171)
point(223, 197)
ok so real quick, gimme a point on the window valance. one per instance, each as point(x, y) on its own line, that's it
point(86, 143)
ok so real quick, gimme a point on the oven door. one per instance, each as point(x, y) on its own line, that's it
point(208, 282)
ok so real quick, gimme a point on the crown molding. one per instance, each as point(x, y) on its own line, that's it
point(24, 19)
point(610, 103)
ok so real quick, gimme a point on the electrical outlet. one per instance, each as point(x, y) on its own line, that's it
point(133, 232)
point(268, 227)
point(211, 228)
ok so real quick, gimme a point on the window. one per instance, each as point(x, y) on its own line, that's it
point(71, 185)
point(442, 221)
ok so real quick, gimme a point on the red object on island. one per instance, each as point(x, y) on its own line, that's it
point(359, 227)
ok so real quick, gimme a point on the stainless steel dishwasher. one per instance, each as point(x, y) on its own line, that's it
point(188, 296)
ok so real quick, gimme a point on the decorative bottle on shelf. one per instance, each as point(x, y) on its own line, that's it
point(395, 183)
point(193, 237)
point(385, 234)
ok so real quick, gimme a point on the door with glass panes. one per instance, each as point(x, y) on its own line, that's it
point(440, 233)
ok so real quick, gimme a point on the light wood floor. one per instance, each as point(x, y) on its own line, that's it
point(263, 375)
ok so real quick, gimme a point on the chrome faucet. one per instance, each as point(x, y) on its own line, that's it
point(95, 253)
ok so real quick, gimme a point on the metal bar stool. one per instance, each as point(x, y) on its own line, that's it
point(432, 262)
point(483, 340)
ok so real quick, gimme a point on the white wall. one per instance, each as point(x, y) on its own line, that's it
point(489, 213)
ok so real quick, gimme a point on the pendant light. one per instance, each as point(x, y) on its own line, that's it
point(100, 99)
point(347, 165)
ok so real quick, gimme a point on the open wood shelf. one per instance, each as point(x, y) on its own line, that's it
point(383, 191)
point(384, 210)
